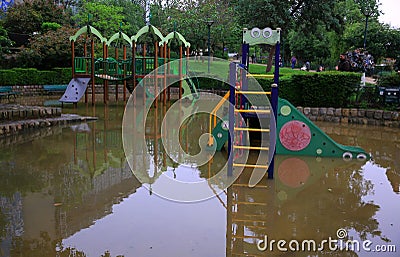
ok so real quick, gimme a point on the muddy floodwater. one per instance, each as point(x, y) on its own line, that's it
point(69, 191)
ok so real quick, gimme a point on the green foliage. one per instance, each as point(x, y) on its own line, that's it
point(28, 16)
point(311, 48)
point(5, 41)
point(287, 14)
point(102, 15)
point(27, 76)
point(32, 76)
point(389, 80)
point(64, 75)
point(324, 89)
point(48, 50)
point(8, 77)
point(189, 18)
point(46, 26)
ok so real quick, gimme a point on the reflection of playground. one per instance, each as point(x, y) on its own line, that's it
point(306, 193)
point(383, 143)
point(105, 177)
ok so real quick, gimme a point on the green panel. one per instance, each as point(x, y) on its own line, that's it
point(119, 35)
point(257, 36)
point(220, 133)
point(189, 89)
point(139, 66)
point(320, 144)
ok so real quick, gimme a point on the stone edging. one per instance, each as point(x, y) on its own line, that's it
point(19, 126)
point(353, 115)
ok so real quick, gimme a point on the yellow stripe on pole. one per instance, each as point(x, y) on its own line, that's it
point(260, 75)
point(252, 129)
point(251, 147)
point(250, 165)
point(254, 110)
point(252, 92)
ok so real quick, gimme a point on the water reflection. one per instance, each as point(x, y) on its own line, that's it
point(382, 142)
point(72, 193)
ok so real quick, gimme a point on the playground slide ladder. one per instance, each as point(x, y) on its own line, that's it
point(241, 130)
point(240, 142)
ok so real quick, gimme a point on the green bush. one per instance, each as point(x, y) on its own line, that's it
point(64, 75)
point(31, 76)
point(8, 77)
point(312, 89)
point(389, 80)
point(325, 89)
point(27, 76)
point(47, 77)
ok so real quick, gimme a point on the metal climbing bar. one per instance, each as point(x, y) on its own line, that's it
point(245, 147)
point(252, 129)
point(261, 75)
point(253, 92)
point(213, 114)
point(253, 110)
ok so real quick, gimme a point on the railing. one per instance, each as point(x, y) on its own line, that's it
point(83, 65)
point(112, 69)
point(213, 117)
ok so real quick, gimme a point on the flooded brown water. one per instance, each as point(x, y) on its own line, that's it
point(72, 193)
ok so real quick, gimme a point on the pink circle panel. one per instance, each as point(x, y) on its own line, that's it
point(295, 135)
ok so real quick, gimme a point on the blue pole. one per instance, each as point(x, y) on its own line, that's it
point(274, 103)
point(245, 54)
point(232, 82)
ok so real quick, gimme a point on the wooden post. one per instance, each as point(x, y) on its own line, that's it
point(116, 69)
point(125, 74)
point(105, 81)
point(165, 74)
point(85, 55)
point(155, 74)
point(169, 67)
point(92, 72)
point(180, 71)
point(144, 72)
point(134, 70)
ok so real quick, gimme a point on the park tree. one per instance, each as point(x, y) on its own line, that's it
point(312, 48)
point(287, 14)
point(190, 19)
point(133, 14)
point(48, 50)
point(28, 16)
point(104, 16)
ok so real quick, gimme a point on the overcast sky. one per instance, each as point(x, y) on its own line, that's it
point(391, 13)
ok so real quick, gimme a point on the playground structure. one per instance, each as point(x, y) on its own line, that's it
point(282, 128)
point(128, 68)
point(278, 127)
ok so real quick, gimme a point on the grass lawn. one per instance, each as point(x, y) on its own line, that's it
point(218, 67)
point(260, 69)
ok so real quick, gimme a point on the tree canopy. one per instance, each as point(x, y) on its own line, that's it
point(313, 30)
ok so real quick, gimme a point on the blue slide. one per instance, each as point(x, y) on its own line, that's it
point(75, 90)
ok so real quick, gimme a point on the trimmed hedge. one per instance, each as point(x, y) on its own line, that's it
point(312, 89)
point(389, 80)
point(32, 76)
point(325, 89)
point(8, 77)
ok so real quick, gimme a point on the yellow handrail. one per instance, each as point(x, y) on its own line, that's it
point(213, 114)
point(253, 92)
point(260, 75)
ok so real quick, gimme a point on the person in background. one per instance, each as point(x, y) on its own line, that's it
point(344, 64)
point(293, 61)
point(308, 66)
